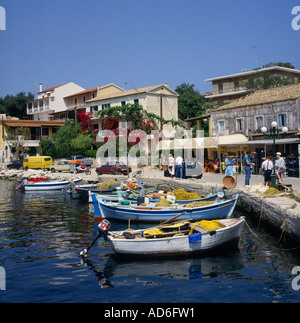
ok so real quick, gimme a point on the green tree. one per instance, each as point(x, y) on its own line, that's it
point(49, 149)
point(266, 80)
point(63, 138)
point(190, 102)
point(287, 65)
point(81, 143)
point(15, 105)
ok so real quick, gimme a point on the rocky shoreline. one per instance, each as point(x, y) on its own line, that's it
point(279, 213)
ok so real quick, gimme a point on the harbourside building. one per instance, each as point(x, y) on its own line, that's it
point(51, 101)
point(157, 99)
point(18, 136)
point(77, 102)
point(231, 87)
point(247, 115)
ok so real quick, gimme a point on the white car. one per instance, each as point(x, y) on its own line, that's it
point(62, 166)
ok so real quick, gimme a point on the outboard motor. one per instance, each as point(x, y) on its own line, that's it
point(103, 227)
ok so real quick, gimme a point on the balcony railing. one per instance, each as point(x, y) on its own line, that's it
point(225, 91)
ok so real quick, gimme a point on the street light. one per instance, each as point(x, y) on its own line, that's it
point(274, 134)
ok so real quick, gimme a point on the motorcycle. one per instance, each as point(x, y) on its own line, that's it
point(83, 169)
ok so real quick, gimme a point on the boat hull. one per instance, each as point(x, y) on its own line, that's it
point(49, 186)
point(178, 245)
point(218, 210)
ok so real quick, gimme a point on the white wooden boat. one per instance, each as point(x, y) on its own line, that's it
point(136, 243)
point(47, 185)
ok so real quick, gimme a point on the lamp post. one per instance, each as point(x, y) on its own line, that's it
point(274, 134)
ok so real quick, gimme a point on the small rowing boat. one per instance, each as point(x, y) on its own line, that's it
point(178, 238)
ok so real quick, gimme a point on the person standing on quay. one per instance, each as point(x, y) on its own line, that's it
point(279, 167)
point(179, 169)
point(229, 165)
point(171, 165)
point(247, 165)
point(267, 166)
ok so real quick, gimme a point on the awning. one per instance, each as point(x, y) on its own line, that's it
point(25, 143)
point(188, 143)
point(231, 140)
point(270, 141)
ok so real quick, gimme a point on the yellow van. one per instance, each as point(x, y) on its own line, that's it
point(41, 162)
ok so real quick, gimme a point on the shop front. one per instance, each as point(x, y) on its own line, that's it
point(260, 149)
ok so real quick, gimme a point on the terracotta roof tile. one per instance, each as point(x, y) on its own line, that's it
point(278, 94)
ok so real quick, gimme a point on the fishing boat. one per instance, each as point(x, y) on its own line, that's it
point(196, 239)
point(153, 214)
point(46, 185)
point(174, 239)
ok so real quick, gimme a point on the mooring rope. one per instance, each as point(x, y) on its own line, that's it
point(268, 244)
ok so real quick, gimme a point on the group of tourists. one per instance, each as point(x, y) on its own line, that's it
point(175, 167)
point(267, 167)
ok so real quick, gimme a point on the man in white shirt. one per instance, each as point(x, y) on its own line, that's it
point(178, 162)
point(267, 166)
point(171, 165)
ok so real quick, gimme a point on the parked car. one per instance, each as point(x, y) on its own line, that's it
point(113, 168)
point(37, 162)
point(16, 164)
point(62, 166)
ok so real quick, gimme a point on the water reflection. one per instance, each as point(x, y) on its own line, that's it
point(41, 236)
point(180, 269)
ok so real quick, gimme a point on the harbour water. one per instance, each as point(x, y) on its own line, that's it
point(41, 235)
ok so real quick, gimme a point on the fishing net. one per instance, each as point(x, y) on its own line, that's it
point(163, 203)
point(106, 185)
point(199, 204)
point(208, 225)
point(271, 191)
point(183, 195)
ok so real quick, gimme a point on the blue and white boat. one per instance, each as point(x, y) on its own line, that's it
point(219, 209)
point(47, 185)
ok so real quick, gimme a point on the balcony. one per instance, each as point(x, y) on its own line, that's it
point(228, 91)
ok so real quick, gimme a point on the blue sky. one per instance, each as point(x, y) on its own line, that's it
point(137, 43)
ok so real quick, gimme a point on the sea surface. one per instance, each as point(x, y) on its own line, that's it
point(42, 234)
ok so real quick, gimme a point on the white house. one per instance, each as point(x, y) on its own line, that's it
point(51, 100)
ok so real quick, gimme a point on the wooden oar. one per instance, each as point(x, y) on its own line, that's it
point(174, 217)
